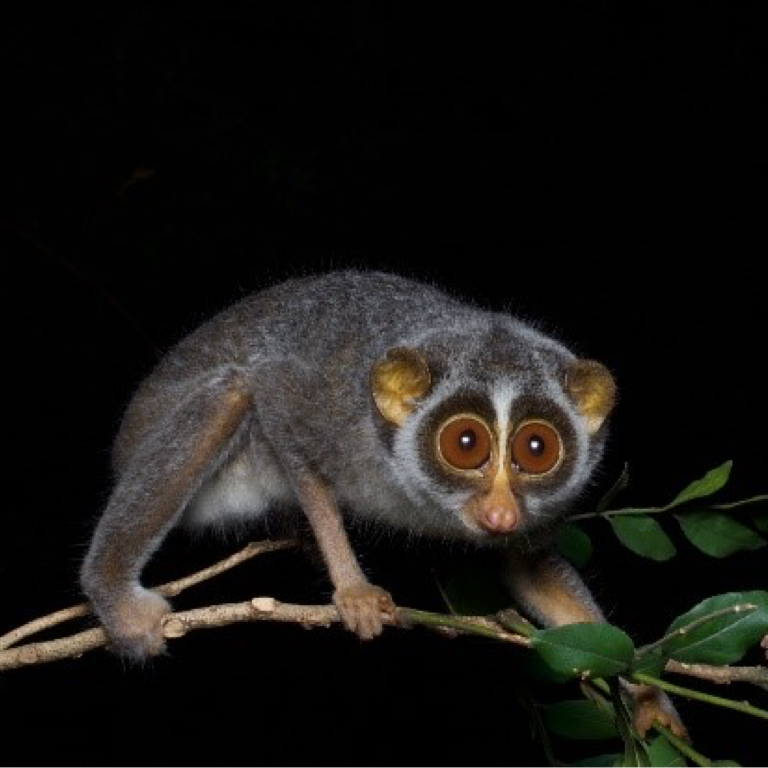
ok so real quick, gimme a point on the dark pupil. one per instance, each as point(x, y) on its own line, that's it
point(536, 445)
point(467, 440)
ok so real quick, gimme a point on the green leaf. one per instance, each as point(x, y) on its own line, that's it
point(635, 752)
point(718, 535)
point(644, 536)
point(760, 521)
point(726, 762)
point(621, 483)
point(536, 670)
point(651, 663)
point(664, 755)
point(473, 587)
point(579, 720)
point(574, 544)
point(594, 650)
point(614, 758)
point(712, 482)
point(722, 640)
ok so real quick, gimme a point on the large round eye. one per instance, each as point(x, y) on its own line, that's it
point(536, 448)
point(465, 443)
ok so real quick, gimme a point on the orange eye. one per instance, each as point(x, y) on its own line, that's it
point(465, 443)
point(536, 448)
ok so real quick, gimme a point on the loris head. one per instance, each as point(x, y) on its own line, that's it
point(498, 438)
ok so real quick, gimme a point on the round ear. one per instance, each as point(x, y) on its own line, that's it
point(593, 390)
point(398, 380)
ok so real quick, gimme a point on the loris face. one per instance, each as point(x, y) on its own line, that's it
point(502, 458)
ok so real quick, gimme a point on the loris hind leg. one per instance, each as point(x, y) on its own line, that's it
point(552, 592)
point(155, 484)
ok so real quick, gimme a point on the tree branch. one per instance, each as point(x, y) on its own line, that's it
point(720, 675)
point(170, 589)
point(708, 698)
point(44, 622)
point(178, 624)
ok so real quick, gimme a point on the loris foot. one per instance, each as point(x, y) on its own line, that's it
point(361, 607)
point(134, 624)
point(653, 706)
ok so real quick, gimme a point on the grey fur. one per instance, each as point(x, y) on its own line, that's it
point(304, 349)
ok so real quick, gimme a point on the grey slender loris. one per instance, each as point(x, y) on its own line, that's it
point(364, 395)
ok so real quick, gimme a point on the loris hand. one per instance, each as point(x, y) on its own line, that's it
point(361, 607)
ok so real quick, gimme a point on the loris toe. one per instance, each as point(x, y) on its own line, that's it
point(135, 625)
point(652, 706)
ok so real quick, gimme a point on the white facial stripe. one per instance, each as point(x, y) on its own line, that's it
point(421, 488)
point(502, 395)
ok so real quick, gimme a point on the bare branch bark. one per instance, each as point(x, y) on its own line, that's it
point(258, 609)
point(720, 675)
point(171, 589)
point(178, 624)
point(250, 550)
point(44, 622)
point(175, 625)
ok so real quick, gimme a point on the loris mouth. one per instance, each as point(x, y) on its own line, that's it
point(482, 536)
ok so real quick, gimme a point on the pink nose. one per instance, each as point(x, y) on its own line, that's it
point(498, 520)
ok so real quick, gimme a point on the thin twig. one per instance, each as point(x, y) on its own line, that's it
point(617, 512)
point(720, 675)
point(608, 513)
point(742, 503)
point(471, 625)
point(44, 622)
point(170, 589)
point(708, 698)
point(177, 625)
point(683, 747)
point(620, 484)
point(250, 550)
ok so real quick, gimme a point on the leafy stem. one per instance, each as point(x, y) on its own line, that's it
point(683, 747)
point(608, 513)
point(689, 693)
point(471, 625)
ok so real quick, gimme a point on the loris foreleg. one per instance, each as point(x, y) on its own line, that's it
point(552, 592)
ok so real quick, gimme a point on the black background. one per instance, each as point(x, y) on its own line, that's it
point(601, 174)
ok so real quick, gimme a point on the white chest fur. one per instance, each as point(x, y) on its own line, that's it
point(245, 487)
